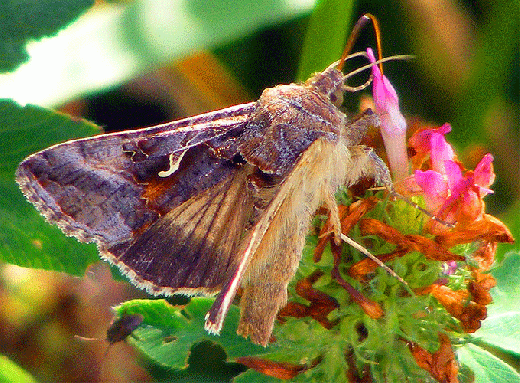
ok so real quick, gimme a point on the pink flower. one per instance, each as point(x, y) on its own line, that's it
point(432, 143)
point(393, 124)
point(449, 193)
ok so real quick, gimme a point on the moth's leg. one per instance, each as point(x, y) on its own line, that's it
point(359, 127)
point(332, 205)
point(367, 163)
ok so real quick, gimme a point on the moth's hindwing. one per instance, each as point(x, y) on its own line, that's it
point(193, 247)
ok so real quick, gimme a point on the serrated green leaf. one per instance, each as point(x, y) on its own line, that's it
point(486, 367)
point(168, 332)
point(10, 372)
point(25, 238)
point(23, 21)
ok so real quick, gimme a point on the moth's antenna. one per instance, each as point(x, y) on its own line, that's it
point(354, 35)
point(378, 62)
point(369, 66)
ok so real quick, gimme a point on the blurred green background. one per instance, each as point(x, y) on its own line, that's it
point(136, 63)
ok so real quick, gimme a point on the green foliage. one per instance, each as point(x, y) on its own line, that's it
point(25, 238)
point(502, 325)
point(326, 35)
point(486, 367)
point(12, 373)
point(127, 39)
point(168, 332)
point(499, 331)
point(22, 21)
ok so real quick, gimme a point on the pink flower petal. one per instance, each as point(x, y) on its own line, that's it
point(441, 152)
point(453, 174)
point(421, 140)
point(484, 174)
point(393, 124)
point(434, 186)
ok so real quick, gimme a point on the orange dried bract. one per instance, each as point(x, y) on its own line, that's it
point(458, 304)
point(366, 266)
point(480, 286)
point(293, 309)
point(488, 229)
point(409, 242)
point(472, 316)
point(485, 255)
point(280, 370)
point(357, 210)
point(371, 308)
point(431, 250)
point(388, 233)
point(442, 364)
point(349, 216)
point(320, 307)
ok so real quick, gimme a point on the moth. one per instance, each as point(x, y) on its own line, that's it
point(215, 202)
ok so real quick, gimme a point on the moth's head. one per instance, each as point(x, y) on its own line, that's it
point(330, 83)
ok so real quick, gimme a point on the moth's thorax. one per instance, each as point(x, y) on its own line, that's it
point(287, 120)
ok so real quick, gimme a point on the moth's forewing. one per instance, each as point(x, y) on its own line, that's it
point(108, 188)
point(288, 119)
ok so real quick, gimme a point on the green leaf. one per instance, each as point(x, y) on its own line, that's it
point(10, 372)
point(501, 329)
point(25, 238)
point(326, 36)
point(22, 21)
point(168, 332)
point(486, 367)
point(490, 75)
point(252, 376)
point(119, 42)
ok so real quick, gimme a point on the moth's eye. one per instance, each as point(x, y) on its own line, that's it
point(337, 98)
